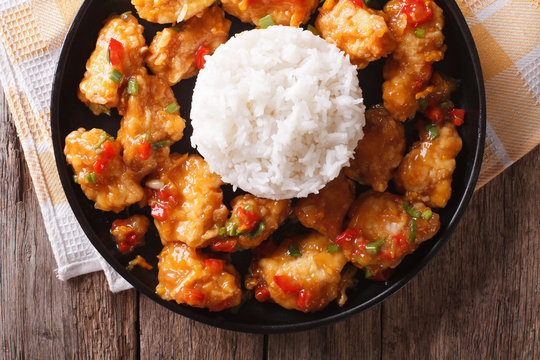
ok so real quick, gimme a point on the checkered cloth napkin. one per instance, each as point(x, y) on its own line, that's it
point(507, 35)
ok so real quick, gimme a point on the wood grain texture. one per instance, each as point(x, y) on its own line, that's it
point(40, 316)
point(167, 335)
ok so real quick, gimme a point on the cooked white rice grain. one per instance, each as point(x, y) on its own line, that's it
point(277, 112)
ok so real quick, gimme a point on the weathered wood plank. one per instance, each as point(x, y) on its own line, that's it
point(40, 316)
point(479, 298)
point(355, 338)
point(167, 335)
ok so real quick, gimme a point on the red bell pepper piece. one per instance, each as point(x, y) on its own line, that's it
point(116, 51)
point(224, 245)
point(214, 266)
point(417, 11)
point(287, 284)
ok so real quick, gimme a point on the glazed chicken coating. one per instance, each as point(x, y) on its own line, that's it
point(255, 219)
point(97, 89)
point(359, 31)
point(283, 12)
point(151, 124)
point(306, 279)
point(408, 69)
point(129, 233)
point(326, 210)
point(188, 276)
point(169, 11)
point(381, 232)
point(379, 152)
point(426, 170)
point(187, 204)
point(172, 55)
point(104, 178)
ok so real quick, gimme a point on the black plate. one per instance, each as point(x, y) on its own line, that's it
point(68, 114)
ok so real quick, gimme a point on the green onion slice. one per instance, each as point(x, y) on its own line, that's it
point(172, 107)
point(266, 21)
point(160, 144)
point(368, 273)
point(90, 178)
point(426, 215)
point(107, 54)
point(133, 87)
point(103, 137)
point(97, 109)
point(176, 28)
point(232, 228)
point(373, 248)
point(116, 76)
point(125, 15)
point(142, 138)
point(412, 227)
point(423, 103)
point(447, 104)
point(419, 32)
point(333, 248)
point(222, 231)
point(313, 30)
point(260, 228)
point(411, 211)
point(433, 133)
point(294, 251)
point(76, 179)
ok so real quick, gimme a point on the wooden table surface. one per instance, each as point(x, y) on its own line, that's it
point(478, 299)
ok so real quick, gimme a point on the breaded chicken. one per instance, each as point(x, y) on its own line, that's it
point(97, 162)
point(188, 276)
point(426, 170)
point(169, 11)
point(383, 229)
point(379, 152)
point(326, 210)
point(129, 233)
point(303, 273)
point(187, 201)
point(283, 12)
point(173, 54)
point(151, 124)
point(356, 29)
point(420, 44)
point(119, 52)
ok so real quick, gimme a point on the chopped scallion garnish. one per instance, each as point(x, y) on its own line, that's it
point(232, 228)
point(412, 227)
point(76, 179)
point(90, 178)
point(447, 104)
point(433, 133)
point(116, 76)
point(333, 248)
point(133, 87)
point(160, 144)
point(222, 231)
point(99, 109)
point(426, 215)
point(422, 103)
point(294, 251)
point(260, 228)
point(419, 32)
point(266, 21)
point(103, 137)
point(313, 29)
point(368, 273)
point(411, 211)
point(176, 28)
point(125, 15)
point(107, 55)
point(373, 248)
point(172, 107)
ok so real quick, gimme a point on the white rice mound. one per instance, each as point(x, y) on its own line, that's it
point(277, 112)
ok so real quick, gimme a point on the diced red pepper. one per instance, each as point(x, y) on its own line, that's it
point(124, 247)
point(159, 212)
point(201, 53)
point(267, 248)
point(247, 220)
point(304, 299)
point(261, 293)
point(132, 238)
point(224, 245)
point(99, 165)
point(383, 275)
point(358, 3)
point(192, 296)
point(214, 266)
point(417, 11)
point(434, 113)
point(287, 284)
point(346, 237)
point(400, 239)
point(166, 196)
point(116, 51)
point(145, 150)
point(108, 150)
point(149, 192)
point(457, 116)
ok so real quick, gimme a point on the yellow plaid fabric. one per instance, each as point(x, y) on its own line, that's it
point(507, 34)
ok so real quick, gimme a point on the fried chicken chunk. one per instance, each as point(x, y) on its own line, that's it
point(120, 49)
point(188, 276)
point(252, 221)
point(417, 27)
point(283, 12)
point(358, 30)
point(383, 229)
point(303, 273)
point(173, 55)
point(129, 233)
point(379, 152)
point(187, 204)
point(426, 170)
point(169, 11)
point(104, 178)
point(326, 210)
point(151, 124)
